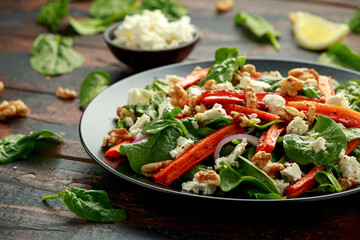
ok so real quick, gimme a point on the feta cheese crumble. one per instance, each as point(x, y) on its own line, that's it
point(215, 112)
point(281, 185)
point(318, 145)
point(258, 86)
point(135, 130)
point(297, 126)
point(230, 159)
point(151, 30)
point(349, 166)
point(292, 172)
point(274, 102)
point(196, 187)
point(194, 91)
point(339, 100)
point(139, 96)
point(183, 144)
point(225, 86)
point(164, 105)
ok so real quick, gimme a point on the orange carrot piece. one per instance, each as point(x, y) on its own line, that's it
point(325, 86)
point(256, 75)
point(202, 149)
point(114, 151)
point(304, 184)
point(268, 141)
point(352, 145)
point(241, 109)
point(348, 117)
point(193, 78)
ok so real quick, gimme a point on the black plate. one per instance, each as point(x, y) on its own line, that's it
point(100, 117)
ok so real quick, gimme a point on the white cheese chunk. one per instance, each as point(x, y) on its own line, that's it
point(258, 86)
point(196, 187)
point(215, 112)
point(318, 145)
point(135, 130)
point(297, 126)
point(292, 172)
point(225, 86)
point(164, 105)
point(274, 102)
point(129, 121)
point(349, 166)
point(139, 96)
point(194, 91)
point(339, 100)
point(183, 144)
point(230, 159)
point(281, 185)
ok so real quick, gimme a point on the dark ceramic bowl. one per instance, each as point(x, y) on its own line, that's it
point(146, 59)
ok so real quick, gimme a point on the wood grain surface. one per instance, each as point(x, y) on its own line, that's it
point(58, 164)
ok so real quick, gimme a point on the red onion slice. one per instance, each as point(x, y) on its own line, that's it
point(250, 138)
point(141, 138)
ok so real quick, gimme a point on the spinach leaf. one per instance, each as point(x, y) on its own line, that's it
point(207, 128)
point(94, 83)
point(354, 21)
point(154, 148)
point(93, 205)
point(297, 147)
point(350, 89)
point(351, 133)
point(19, 146)
point(173, 10)
point(52, 55)
point(51, 14)
point(231, 177)
point(151, 110)
point(106, 8)
point(189, 175)
point(259, 26)
point(328, 180)
point(227, 62)
point(310, 90)
point(166, 120)
point(159, 85)
point(272, 81)
point(340, 55)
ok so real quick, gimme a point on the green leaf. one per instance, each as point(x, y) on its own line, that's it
point(297, 147)
point(227, 63)
point(310, 90)
point(272, 81)
point(328, 180)
point(106, 8)
point(19, 146)
point(93, 205)
point(53, 55)
point(154, 148)
point(340, 55)
point(51, 14)
point(94, 83)
point(159, 85)
point(354, 21)
point(173, 10)
point(259, 26)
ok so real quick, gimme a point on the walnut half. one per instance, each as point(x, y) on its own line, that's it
point(15, 108)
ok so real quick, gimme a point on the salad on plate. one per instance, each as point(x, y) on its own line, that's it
point(229, 130)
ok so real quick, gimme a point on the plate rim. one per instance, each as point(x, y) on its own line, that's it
point(178, 192)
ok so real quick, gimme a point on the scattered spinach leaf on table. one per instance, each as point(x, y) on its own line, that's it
point(106, 8)
point(52, 55)
point(259, 26)
point(354, 21)
point(19, 146)
point(173, 10)
point(340, 55)
point(94, 83)
point(93, 205)
point(51, 14)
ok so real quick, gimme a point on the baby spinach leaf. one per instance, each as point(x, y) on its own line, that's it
point(328, 180)
point(231, 177)
point(51, 14)
point(340, 55)
point(351, 133)
point(159, 85)
point(272, 81)
point(297, 147)
point(259, 26)
point(310, 90)
point(350, 89)
point(106, 8)
point(19, 146)
point(93, 205)
point(52, 55)
point(154, 148)
point(227, 62)
point(94, 83)
point(354, 21)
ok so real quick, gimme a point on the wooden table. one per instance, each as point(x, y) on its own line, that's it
point(56, 165)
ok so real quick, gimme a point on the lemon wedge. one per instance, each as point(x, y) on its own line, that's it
point(316, 33)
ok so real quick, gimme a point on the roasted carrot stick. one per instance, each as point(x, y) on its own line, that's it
point(269, 138)
point(114, 151)
point(202, 149)
point(193, 78)
point(325, 86)
point(348, 117)
point(352, 145)
point(304, 184)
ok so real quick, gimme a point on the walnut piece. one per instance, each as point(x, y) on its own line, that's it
point(150, 169)
point(262, 160)
point(1, 87)
point(209, 176)
point(290, 86)
point(224, 5)
point(15, 108)
point(123, 112)
point(250, 98)
point(249, 68)
point(115, 135)
point(177, 96)
point(210, 85)
point(347, 182)
point(65, 93)
point(303, 73)
point(243, 120)
point(311, 115)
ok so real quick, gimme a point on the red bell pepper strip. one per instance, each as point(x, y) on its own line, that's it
point(256, 75)
point(114, 151)
point(348, 117)
point(241, 109)
point(193, 78)
point(269, 138)
point(304, 184)
point(352, 145)
point(202, 149)
point(325, 86)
